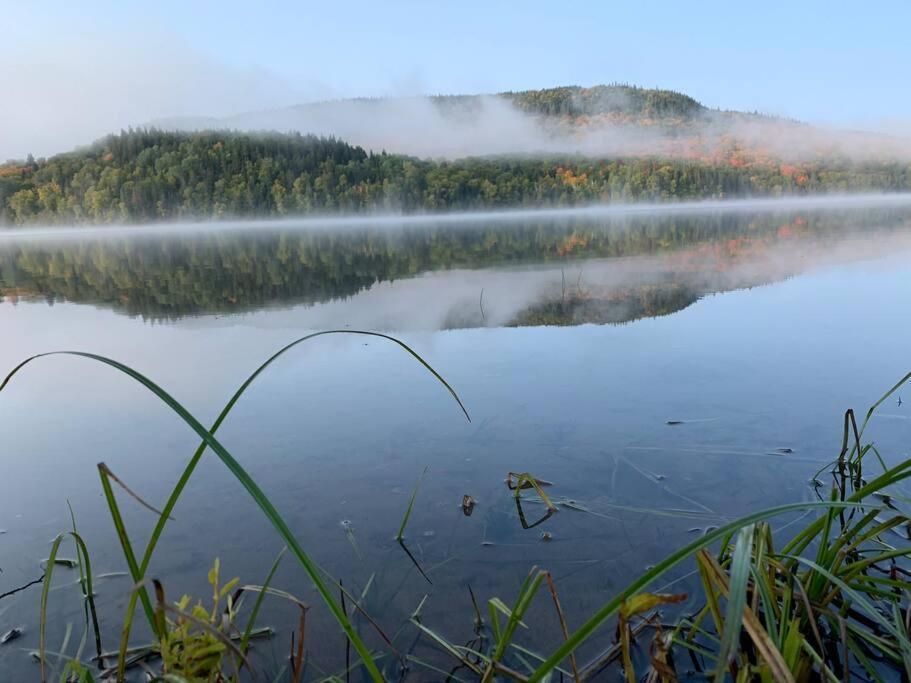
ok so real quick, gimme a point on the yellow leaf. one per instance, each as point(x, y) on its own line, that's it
point(213, 573)
point(228, 587)
point(643, 602)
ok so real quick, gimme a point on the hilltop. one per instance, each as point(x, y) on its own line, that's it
point(623, 100)
point(601, 121)
point(604, 120)
point(619, 102)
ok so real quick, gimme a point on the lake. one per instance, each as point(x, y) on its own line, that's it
point(665, 371)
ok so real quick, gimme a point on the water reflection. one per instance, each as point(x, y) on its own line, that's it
point(554, 272)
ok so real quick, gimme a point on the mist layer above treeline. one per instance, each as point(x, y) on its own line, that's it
point(600, 121)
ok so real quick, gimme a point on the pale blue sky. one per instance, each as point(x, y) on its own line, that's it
point(108, 62)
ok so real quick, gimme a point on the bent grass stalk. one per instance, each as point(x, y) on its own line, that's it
point(400, 536)
point(259, 497)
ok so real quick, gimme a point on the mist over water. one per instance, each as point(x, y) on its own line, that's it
point(474, 219)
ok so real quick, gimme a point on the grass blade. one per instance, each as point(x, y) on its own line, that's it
point(135, 572)
point(261, 595)
point(737, 597)
point(42, 619)
point(414, 494)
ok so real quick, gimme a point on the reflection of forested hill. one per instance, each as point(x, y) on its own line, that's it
point(167, 277)
point(618, 305)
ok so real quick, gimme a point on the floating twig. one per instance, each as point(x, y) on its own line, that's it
point(22, 588)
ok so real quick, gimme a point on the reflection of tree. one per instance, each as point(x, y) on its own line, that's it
point(168, 277)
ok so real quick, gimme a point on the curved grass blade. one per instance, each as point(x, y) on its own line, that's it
point(197, 455)
point(191, 466)
point(247, 482)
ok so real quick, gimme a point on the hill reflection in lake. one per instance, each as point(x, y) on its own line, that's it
point(444, 275)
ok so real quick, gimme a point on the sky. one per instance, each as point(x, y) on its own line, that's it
point(72, 72)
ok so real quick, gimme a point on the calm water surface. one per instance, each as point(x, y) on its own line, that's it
point(572, 343)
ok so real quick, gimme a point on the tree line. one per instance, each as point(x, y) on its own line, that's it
point(153, 175)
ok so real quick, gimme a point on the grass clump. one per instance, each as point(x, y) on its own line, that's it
point(829, 603)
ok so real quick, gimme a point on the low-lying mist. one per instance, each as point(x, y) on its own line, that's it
point(473, 219)
point(456, 127)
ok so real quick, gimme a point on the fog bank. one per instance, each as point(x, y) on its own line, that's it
point(456, 127)
point(476, 218)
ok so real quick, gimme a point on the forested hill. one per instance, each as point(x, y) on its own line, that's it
point(618, 103)
point(623, 100)
point(147, 175)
